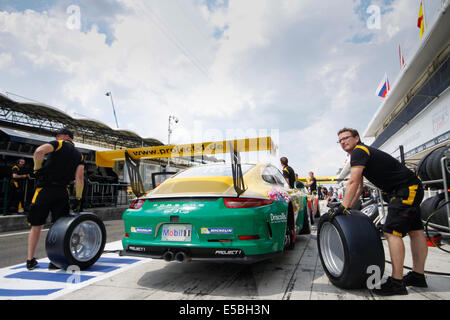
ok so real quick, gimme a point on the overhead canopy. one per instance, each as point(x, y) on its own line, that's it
point(45, 120)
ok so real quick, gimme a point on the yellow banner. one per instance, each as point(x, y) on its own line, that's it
point(321, 179)
point(107, 158)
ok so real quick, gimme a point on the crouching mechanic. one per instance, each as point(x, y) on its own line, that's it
point(64, 164)
point(405, 195)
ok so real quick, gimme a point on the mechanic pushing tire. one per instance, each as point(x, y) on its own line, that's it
point(348, 245)
point(76, 240)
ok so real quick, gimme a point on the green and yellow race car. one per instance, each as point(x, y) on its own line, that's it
point(198, 215)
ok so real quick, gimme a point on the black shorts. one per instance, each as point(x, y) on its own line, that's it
point(404, 211)
point(54, 199)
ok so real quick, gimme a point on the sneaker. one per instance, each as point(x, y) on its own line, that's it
point(31, 264)
point(415, 279)
point(51, 266)
point(391, 287)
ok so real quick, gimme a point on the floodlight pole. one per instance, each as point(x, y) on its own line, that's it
point(109, 94)
point(169, 133)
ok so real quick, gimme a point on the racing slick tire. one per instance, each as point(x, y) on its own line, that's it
point(439, 218)
point(306, 228)
point(348, 245)
point(429, 205)
point(76, 240)
point(433, 165)
point(289, 238)
point(422, 168)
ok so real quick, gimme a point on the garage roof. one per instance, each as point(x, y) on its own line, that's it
point(44, 119)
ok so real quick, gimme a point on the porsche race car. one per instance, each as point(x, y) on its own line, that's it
point(198, 215)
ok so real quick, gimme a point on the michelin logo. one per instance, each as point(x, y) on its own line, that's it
point(278, 218)
point(217, 230)
point(141, 230)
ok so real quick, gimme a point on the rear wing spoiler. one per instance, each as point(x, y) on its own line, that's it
point(107, 158)
point(133, 156)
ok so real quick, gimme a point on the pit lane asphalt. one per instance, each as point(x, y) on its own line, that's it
point(14, 244)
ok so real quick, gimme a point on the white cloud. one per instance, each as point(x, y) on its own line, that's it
point(286, 65)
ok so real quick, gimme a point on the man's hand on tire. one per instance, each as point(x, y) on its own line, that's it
point(336, 211)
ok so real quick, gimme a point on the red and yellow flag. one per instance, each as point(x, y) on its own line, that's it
point(421, 20)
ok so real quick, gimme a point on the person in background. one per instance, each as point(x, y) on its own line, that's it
point(288, 172)
point(312, 184)
point(16, 199)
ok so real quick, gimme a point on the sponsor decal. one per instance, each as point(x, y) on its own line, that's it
point(228, 252)
point(217, 230)
point(141, 230)
point(173, 208)
point(275, 218)
point(278, 194)
point(176, 232)
point(133, 248)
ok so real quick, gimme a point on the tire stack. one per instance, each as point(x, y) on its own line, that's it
point(430, 205)
point(430, 168)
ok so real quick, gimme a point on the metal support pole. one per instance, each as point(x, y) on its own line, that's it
point(444, 177)
point(402, 155)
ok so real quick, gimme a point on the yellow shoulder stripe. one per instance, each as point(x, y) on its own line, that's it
point(60, 144)
point(363, 148)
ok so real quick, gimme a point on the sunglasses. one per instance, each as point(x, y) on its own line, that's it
point(344, 139)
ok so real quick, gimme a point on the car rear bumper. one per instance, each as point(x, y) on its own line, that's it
point(198, 254)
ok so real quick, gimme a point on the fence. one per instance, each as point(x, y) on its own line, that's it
point(94, 194)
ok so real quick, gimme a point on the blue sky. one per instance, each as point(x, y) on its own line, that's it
point(299, 70)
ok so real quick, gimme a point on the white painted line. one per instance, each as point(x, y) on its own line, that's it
point(20, 282)
point(18, 233)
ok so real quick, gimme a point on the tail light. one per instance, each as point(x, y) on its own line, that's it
point(254, 237)
point(246, 202)
point(137, 204)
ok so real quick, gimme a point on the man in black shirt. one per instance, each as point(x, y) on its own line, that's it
point(288, 172)
point(16, 198)
point(405, 195)
point(312, 183)
point(64, 164)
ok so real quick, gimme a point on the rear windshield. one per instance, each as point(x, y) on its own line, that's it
point(212, 171)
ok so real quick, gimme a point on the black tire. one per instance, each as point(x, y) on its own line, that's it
point(440, 217)
point(306, 229)
point(434, 170)
point(64, 235)
point(422, 168)
point(429, 205)
point(290, 232)
point(348, 245)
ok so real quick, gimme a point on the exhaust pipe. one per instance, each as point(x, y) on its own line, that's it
point(181, 257)
point(168, 256)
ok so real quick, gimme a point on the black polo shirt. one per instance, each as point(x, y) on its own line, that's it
point(313, 186)
point(19, 171)
point(380, 168)
point(61, 164)
point(289, 173)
